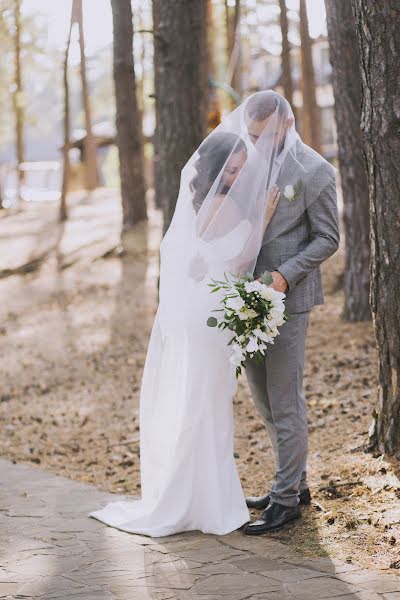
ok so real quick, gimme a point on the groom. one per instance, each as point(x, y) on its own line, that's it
point(293, 255)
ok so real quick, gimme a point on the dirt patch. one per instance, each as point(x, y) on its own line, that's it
point(73, 339)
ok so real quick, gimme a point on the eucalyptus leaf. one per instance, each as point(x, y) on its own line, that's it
point(267, 278)
point(212, 322)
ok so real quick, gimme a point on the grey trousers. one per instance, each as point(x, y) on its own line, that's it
point(277, 389)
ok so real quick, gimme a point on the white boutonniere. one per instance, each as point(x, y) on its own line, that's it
point(291, 192)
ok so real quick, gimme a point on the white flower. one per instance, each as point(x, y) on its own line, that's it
point(273, 330)
point(252, 346)
point(235, 304)
point(261, 335)
point(268, 293)
point(253, 286)
point(276, 316)
point(247, 313)
point(278, 321)
point(289, 192)
point(279, 297)
point(237, 355)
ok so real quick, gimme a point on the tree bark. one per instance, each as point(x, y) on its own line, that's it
point(18, 98)
point(214, 111)
point(138, 17)
point(157, 171)
point(232, 19)
point(63, 212)
point(378, 33)
point(128, 120)
point(89, 146)
point(287, 81)
point(344, 57)
point(310, 126)
point(181, 89)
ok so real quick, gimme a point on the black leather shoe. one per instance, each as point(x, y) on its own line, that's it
point(275, 517)
point(261, 502)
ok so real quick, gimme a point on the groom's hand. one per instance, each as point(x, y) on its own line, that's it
point(279, 283)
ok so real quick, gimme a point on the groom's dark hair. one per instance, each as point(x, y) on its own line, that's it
point(262, 105)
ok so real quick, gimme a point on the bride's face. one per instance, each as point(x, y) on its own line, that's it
point(233, 167)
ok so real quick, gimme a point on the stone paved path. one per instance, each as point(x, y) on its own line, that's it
point(50, 549)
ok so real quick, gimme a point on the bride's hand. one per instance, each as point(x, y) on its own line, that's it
point(272, 202)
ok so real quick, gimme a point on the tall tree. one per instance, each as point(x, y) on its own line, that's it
point(89, 145)
point(128, 119)
point(139, 18)
point(63, 212)
point(311, 119)
point(232, 18)
point(344, 57)
point(378, 33)
point(214, 111)
point(18, 97)
point(157, 171)
point(181, 89)
point(287, 80)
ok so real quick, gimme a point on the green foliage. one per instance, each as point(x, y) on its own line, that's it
point(267, 278)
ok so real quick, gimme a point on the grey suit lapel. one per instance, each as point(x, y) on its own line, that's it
point(287, 211)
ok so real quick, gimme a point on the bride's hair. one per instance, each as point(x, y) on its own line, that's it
point(212, 155)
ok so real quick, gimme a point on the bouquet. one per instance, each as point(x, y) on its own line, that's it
point(253, 311)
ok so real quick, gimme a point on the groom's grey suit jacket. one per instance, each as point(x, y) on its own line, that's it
point(301, 234)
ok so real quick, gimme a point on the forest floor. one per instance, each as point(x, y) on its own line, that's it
point(75, 317)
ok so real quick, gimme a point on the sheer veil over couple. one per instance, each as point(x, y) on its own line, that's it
point(253, 198)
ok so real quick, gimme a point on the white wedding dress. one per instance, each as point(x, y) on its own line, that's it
point(188, 471)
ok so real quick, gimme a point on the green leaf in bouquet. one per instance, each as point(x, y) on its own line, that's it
point(231, 326)
point(248, 277)
point(267, 278)
point(212, 322)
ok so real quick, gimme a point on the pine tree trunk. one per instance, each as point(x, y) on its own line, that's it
point(18, 99)
point(63, 212)
point(157, 172)
point(378, 33)
point(128, 121)
point(232, 18)
point(181, 89)
point(344, 56)
point(287, 81)
point(310, 126)
point(213, 110)
point(89, 145)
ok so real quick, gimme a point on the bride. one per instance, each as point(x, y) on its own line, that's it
point(188, 472)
